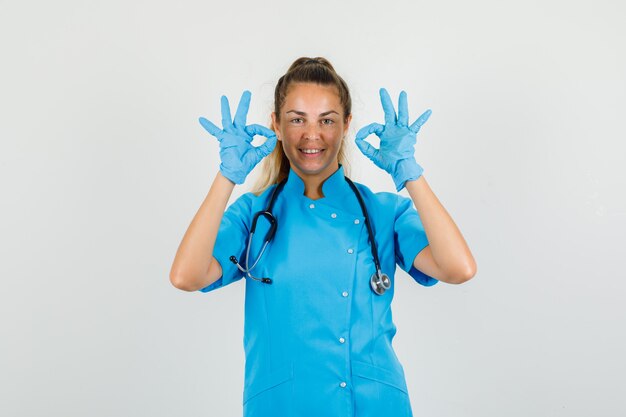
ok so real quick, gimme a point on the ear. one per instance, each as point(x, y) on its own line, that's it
point(275, 125)
point(347, 124)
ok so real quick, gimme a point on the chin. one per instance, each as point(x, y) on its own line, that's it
point(312, 169)
point(307, 169)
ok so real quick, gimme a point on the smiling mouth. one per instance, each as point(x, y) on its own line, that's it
point(311, 151)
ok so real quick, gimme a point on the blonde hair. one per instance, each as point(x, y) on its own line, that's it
point(275, 166)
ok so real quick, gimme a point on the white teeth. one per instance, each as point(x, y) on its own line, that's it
point(311, 150)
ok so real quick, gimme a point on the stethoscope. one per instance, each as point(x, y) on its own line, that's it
point(379, 281)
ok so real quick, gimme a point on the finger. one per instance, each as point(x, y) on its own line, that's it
point(242, 109)
point(366, 148)
point(403, 110)
point(267, 147)
point(390, 112)
point(259, 130)
point(415, 127)
point(227, 121)
point(211, 128)
point(365, 131)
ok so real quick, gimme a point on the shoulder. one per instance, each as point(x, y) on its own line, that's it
point(250, 201)
point(383, 200)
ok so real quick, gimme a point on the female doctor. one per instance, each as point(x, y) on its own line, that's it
point(318, 325)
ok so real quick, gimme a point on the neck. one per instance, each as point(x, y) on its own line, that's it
point(313, 192)
point(313, 182)
point(313, 187)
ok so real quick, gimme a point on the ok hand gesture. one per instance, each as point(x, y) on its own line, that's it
point(238, 155)
point(397, 141)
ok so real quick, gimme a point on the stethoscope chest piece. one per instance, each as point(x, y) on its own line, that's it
point(380, 283)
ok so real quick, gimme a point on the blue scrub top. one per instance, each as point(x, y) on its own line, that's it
point(318, 340)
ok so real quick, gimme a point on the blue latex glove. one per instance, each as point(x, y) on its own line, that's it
point(397, 141)
point(238, 155)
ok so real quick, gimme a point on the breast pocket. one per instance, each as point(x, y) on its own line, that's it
point(270, 395)
point(379, 391)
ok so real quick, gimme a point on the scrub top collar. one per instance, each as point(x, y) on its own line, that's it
point(334, 188)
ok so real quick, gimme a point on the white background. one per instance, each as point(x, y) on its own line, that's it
point(103, 165)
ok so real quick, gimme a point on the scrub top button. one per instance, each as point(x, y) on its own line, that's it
point(341, 340)
point(357, 221)
point(350, 250)
point(342, 385)
point(311, 205)
point(334, 215)
point(345, 293)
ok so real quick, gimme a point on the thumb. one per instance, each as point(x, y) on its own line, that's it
point(367, 149)
point(267, 147)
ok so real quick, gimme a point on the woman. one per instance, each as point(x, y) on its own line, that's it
point(318, 327)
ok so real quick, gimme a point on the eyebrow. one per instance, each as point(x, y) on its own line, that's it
point(301, 113)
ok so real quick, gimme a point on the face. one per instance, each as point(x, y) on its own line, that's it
point(311, 129)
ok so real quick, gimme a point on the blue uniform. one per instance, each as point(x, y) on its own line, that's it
point(318, 340)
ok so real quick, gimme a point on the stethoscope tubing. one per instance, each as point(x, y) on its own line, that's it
point(379, 281)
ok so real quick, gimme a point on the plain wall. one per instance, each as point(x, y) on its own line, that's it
point(103, 164)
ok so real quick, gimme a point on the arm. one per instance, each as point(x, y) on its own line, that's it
point(194, 266)
point(447, 257)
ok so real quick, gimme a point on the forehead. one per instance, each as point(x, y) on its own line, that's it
point(313, 98)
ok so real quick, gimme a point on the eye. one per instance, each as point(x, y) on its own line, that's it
point(296, 120)
point(328, 121)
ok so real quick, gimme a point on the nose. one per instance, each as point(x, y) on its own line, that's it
point(312, 131)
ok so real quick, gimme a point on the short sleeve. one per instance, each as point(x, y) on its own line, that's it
point(232, 238)
point(409, 239)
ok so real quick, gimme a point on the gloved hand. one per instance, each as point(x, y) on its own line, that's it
point(397, 141)
point(238, 155)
